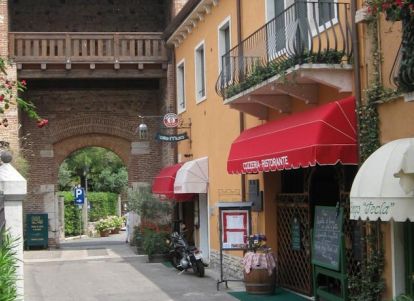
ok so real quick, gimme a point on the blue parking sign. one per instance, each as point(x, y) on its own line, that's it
point(79, 195)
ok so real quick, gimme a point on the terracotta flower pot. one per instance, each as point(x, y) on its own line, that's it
point(104, 233)
point(115, 231)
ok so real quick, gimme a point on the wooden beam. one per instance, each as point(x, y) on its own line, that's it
point(88, 73)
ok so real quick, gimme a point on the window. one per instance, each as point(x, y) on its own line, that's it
point(224, 48)
point(200, 71)
point(326, 11)
point(276, 29)
point(180, 87)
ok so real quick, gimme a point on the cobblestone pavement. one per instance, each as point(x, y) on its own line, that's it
point(108, 269)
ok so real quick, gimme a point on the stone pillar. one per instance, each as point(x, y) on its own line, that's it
point(50, 205)
point(14, 188)
point(61, 206)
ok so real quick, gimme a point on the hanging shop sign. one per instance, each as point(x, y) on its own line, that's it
point(171, 138)
point(171, 120)
point(295, 234)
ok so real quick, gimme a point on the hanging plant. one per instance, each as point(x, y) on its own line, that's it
point(395, 10)
point(9, 95)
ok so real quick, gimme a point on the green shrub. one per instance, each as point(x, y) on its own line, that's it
point(8, 268)
point(155, 242)
point(103, 204)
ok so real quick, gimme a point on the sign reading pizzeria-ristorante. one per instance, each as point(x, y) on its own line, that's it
point(267, 164)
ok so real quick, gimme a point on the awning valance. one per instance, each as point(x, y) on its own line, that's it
point(163, 183)
point(384, 185)
point(325, 135)
point(192, 177)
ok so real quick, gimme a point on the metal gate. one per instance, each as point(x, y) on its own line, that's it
point(294, 265)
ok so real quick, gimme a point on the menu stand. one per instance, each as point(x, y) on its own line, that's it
point(231, 207)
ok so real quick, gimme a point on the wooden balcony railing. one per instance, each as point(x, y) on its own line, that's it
point(71, 47)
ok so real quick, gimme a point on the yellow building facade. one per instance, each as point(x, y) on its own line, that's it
point(252, 69)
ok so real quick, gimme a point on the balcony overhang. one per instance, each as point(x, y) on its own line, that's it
point(301, 82)
point(88, 55)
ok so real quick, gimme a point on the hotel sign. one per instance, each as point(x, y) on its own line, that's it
point(398, 209)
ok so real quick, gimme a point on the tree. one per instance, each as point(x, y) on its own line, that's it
point(104, 170)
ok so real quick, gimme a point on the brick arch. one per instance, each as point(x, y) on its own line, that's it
point(103, 126)
point(118, 145)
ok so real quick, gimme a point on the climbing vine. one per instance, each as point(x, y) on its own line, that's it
point(9, 95)
point(376, 93)
point(368, 284)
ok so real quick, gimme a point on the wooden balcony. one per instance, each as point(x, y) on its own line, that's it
point(40, 54)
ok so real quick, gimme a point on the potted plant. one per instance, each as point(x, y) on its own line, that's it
point(116, 223)
point(103, 226)
point(155, 245)
point(259, 267)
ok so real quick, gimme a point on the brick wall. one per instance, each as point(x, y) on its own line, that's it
point(82, 118)
point(178, 5)
point(88, 16)
point(9, 134)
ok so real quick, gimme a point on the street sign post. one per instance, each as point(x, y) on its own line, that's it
point(79, 195)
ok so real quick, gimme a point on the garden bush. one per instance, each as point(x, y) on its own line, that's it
point(103, 204)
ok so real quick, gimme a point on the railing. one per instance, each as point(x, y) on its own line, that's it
point(51, 47)
point(305, 32)
point(402, 73)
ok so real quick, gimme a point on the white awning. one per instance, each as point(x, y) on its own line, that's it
point(192, 177)
point(384, 185)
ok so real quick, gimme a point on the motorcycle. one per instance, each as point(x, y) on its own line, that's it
point(183, 256)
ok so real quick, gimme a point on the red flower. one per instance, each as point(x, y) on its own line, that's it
point(23, 82)
point(42, 122)
point(399, 3)
point(1, 97)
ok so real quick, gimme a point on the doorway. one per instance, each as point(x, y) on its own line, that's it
point(409, 258)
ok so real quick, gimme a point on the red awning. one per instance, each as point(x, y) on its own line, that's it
point(325, 135)
point(164, 184)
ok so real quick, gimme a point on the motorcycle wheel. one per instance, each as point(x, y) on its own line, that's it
point(200, 268)
point(175, 261)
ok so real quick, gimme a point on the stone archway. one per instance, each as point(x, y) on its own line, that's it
point(78, 117)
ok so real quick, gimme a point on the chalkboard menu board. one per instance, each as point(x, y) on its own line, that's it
point(326, 247)
point(36, 230)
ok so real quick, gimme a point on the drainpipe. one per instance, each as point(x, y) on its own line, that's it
point(357, 74)
point(241, 114)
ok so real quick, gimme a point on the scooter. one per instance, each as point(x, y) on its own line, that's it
point(184, 257)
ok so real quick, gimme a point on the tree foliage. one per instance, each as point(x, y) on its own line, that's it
point(103, 169)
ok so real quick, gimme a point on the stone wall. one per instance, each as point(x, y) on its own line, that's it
point(88, 16)
point(232, 265)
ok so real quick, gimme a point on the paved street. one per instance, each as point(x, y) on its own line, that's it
point(107, 269)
